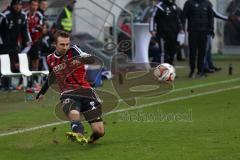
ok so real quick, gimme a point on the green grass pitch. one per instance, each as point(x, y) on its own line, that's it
point(198, 120)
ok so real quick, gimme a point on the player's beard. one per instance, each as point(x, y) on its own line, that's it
point(63, 52)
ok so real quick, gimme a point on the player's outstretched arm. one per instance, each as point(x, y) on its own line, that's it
point(50, 80)
point(43, 90)
point(82, 57)
point(87, 59)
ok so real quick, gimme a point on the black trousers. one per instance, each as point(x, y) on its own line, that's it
point(197, 48)
point(168, 45)
point(5, 81)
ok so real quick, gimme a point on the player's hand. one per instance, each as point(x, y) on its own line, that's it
point(212, 34)
point(232, 18)
point(182, 32)
point(153, 33)
point(39, 97)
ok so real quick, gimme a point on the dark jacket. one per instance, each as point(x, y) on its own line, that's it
point(13, 29)
point(199, 14)
point(165, 18)
point(45, 44)
point(45, 18)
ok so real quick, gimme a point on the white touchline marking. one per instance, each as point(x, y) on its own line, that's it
point(173, 100)
point(127, 109)
point(33, 128)
point(180, 67)
point(207, 84)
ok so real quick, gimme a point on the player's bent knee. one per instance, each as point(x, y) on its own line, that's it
point(69, 106)
point(74, 115)
point(74, 112)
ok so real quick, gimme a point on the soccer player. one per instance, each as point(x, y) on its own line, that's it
point(66, 67)
point(35, 24)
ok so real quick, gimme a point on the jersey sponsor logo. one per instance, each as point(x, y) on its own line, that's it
point(19, 21)
point(75, 63)
point(59, 67)
point(70, 63)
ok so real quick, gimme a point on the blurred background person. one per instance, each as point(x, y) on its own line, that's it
point(154, 51)
point(165, 26)
point(65, 19)
point(180, 48)
point(1, 41)
point(43, 5)
point(232, 29)
point(35, 23)
point(209, 66)
point(15, 36)
point(200, 23)
point(125, 37)
point(46, 46)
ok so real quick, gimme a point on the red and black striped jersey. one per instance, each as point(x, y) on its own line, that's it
point(69, 73)
point(35, 23)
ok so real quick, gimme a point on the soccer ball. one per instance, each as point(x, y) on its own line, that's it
point(165, 72)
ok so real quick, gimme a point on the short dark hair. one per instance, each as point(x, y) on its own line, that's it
point(30, 2)
point(42, 1)
point(60, 33)
point(14, 2)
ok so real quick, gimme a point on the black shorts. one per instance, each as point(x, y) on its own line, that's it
point(85, 101)
point(34, 52)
